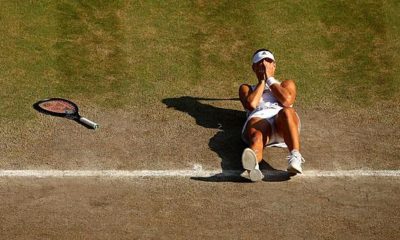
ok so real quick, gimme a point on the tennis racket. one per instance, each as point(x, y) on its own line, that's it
point(63, 108)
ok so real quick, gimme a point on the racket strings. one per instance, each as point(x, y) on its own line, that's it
point(58, 107)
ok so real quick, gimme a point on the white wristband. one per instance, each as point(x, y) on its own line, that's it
point(272, 80)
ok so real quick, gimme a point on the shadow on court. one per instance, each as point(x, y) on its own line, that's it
point(227, 141)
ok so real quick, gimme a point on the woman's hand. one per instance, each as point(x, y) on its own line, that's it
point(265, 69)
point(269, 69)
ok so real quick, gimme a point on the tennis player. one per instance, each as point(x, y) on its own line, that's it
point(271, 118)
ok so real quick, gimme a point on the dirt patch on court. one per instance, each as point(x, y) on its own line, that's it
point(179, 208)
point(178, 133)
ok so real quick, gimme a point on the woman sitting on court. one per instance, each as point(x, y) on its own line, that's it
point(271, 118)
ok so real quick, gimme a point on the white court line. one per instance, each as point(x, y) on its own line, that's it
point(352, 173)
point(197, 172)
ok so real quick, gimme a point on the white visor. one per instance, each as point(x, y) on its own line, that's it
point(261, 55)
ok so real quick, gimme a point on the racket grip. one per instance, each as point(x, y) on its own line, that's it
point(89, 123)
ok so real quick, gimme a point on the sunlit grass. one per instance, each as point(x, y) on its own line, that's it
point(115, 54)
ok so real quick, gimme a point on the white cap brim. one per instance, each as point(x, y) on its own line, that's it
point(261, 55)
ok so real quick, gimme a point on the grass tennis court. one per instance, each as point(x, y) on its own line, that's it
point(161, 78)
point(116, 54)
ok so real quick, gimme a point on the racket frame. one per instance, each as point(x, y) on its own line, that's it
point(73, 116)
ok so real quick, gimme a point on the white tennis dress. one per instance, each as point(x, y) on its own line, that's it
point(267, 109)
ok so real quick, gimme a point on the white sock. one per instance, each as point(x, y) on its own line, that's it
point(295, 152)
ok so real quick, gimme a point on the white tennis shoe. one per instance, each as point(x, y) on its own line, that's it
point(249, 161)
point(295, 160)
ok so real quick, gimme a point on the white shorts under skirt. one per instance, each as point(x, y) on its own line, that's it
point(275, 140)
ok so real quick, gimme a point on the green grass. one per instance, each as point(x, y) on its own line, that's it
point(136, 53)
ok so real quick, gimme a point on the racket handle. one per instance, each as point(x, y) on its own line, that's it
point(89, 123)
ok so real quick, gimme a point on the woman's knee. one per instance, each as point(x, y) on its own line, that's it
point(287, 112)
point(288, 115)
point(256, 137)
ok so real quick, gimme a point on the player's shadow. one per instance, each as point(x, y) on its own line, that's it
point(227, 141)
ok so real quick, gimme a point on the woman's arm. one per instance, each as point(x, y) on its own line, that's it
point(249, 98)
point(285, 92)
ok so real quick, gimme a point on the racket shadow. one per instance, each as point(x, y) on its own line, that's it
point(227, 141)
